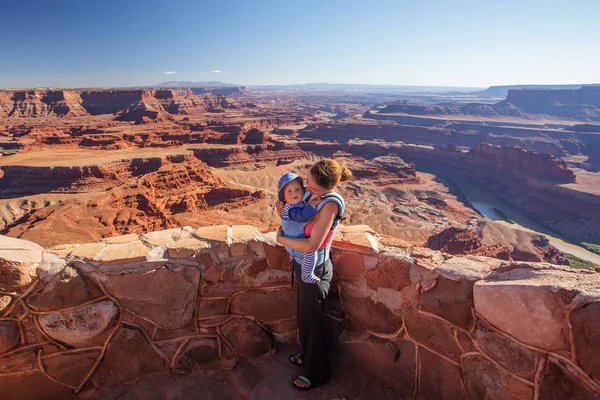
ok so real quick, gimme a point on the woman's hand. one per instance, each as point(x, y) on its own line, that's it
point(279, 234)
point(279, 207)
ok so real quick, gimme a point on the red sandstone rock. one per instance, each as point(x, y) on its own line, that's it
point(247, 338)
point(68, 288)
point(557, 383)
point(364, 312)
point(507, 353)
point(197, 351)
point(392, 273)
point(165, 296)
point(484, 380)
point(128, 356)
point(32, 386)
point(393, 363)
point(586, 333)
point(439, 379)
point(17, 259)
point(464, 241)
point(70, 368)
point(81, 327)
point(265, 306)
point(9, 335)
point(514, 158)
point(451, 300)
point(432, 333)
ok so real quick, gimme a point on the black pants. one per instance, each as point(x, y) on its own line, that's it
point(313, 326)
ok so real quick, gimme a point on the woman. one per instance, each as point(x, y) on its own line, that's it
point(312, 324)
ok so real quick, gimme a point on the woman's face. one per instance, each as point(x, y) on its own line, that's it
point(313, 187)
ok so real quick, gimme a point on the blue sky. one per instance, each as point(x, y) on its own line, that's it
point(453, 43)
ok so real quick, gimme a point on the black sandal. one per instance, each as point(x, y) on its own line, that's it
point(296, 359)
point(309, 384)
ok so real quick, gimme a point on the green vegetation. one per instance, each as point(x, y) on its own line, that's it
point(8, 152)
point(502, 215)
point(576, 262)
point(594, 248)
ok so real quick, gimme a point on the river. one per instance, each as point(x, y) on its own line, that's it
point(485, 201)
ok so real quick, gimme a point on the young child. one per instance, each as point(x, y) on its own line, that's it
point(295, 215)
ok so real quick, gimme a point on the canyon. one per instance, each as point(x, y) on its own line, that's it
point(176, 188)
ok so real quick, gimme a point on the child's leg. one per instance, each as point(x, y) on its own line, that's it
point(308, 268)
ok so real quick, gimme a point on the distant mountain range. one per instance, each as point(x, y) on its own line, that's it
point(190, 84)
point(502, 91)
point(352, 87)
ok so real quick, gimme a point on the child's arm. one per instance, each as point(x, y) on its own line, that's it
point(301, 212)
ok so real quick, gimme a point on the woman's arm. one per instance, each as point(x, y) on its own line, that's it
point(321, 226)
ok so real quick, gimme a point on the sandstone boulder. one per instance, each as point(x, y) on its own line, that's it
point(18, 260)
point(82, 326)
point(167, 297)
point(508, 297)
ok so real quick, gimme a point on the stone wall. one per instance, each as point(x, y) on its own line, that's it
point(429, 325)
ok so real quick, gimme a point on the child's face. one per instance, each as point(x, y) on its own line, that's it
point(293, 192)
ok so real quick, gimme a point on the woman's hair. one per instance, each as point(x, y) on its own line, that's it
point(329, 173)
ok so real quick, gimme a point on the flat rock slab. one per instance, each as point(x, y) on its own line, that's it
point(187, 248)
point(160, 238)
point(164, 296)
point(18, 259)
point(123, 253)
point(529, 302)
point(81, 326)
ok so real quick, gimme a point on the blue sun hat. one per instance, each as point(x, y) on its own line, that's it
point(284, 180)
